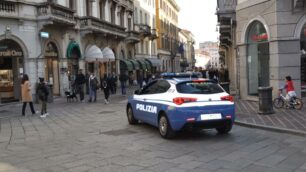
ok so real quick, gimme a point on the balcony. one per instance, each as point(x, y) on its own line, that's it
point(56, 14)
point(128, 4)
point(226, 6)
point(144, 30)
point(153, 34)
point(93, 24)
point(8, 9)
point(132, 36)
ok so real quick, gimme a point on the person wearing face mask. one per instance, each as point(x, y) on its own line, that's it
point(93, 86)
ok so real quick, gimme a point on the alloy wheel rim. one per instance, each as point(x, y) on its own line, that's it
point(130, 114)
point(163, 125)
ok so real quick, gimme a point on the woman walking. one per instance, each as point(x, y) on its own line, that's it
point(105, 85)
point(26, 94)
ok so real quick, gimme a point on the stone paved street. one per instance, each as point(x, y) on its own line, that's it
point(96, 137)
point(283, 119)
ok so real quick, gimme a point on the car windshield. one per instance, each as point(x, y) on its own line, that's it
point(205, 87)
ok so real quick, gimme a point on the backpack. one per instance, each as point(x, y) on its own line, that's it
point(104, 84)
point(42, 91)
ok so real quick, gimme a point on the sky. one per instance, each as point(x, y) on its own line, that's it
point(199, 17)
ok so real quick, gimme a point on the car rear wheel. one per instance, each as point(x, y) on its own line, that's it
point(164, 127)
point(225, 129)
point(130, 116)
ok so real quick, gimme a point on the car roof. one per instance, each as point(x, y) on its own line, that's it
point(180, 75)
point(181, 80)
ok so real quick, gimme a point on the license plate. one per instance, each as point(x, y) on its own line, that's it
point(211, 116)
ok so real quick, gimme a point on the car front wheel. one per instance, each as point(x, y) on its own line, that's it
point(225, 129)
point(130, 116)
point(164, 127)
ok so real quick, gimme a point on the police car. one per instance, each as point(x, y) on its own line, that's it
point(175, 104)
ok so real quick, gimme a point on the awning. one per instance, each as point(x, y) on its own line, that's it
point(73, 50)
point(142, 64)
point(108, 54)
point(135, 64)
point(147, 64)
point(154, 62)
point(126, 65)
point(93, 53)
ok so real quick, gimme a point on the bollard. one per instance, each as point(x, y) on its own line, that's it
point(265, 100)
point(50, 96)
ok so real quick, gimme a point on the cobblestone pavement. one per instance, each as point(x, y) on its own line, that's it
point(96, 137)
point(284, 119)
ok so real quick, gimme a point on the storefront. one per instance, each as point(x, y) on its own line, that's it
point(52, 67)
point(109, 66)
point(303, 61)
point(11, 69)
point(93, 58)
point(73, 56)
point(257, 58)
point(155, 64)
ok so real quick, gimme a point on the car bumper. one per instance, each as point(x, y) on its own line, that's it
point(191, 116)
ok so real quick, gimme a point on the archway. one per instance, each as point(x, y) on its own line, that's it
point(73, 55)
point(303, 61)
point(11, 67)
point(257, 57)
point(52, 66)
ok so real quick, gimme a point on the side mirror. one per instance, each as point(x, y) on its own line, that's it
point(137, 92)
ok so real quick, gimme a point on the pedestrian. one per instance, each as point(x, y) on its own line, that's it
point(26, 94)
point(114, 83)
point(123, 79)
point(79, 84)
point(140, 80)
point(42, 92)
point(93, 86)
point(105, 85)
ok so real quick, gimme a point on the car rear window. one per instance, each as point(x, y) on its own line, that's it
point(205, 87)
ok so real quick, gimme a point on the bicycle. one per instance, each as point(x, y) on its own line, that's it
point(281, 101)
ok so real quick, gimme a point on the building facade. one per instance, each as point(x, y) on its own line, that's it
point(270, 44)
point(54, 39)
point(146, 48)
point(168, 40)
point(212, 48)
point(186, 49)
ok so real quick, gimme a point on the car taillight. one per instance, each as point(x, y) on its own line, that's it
point(227, 98)
point(181, 100)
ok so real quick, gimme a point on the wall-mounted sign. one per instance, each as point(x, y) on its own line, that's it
point(10, 53)
point(44, 34)
point(51, 50)
point(260, 37)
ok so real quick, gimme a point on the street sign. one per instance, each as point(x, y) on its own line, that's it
point(44, 34)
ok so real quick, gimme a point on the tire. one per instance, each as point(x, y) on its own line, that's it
point(130, 116)
point(225, 129)
point(278, 103)
point(297, 103)
point(164, 127)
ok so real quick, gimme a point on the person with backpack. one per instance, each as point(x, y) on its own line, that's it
point(105, 85)
point(93, 86)
point(42, 92)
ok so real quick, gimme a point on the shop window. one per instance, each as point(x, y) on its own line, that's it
point(257, 58)
point(303, 61)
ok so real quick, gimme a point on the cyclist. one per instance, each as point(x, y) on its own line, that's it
point(289, 89)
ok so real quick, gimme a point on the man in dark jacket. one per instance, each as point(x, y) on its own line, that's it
point(123, 79)
point(79, 83)
point(42, 91)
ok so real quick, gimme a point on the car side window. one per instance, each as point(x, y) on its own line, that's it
point(156, 87)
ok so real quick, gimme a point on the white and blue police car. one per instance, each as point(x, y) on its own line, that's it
point(176, 104)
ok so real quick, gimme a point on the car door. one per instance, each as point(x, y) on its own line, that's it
point(140, 110)
point(155, 100)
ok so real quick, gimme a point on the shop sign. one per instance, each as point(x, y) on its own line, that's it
point(51, 50)
point(260, 37)
point(10, 53)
